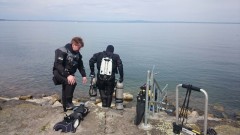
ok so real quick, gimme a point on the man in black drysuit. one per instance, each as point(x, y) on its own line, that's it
point(106, 86)
point(67, 60)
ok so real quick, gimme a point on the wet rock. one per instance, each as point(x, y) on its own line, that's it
point(192, 119)
point(227, 130)
point(76, 100)
point(43, 95)
point(210, 115)
point(57, 104)
point(55, 97)
point(0, 108)
point(217, 111)
point(127, 97)
point(98, 101)
point(237, 116)
point(219, 108)
point(219, 114)
point(25, 97)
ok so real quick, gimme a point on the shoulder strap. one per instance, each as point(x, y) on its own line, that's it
point(64, 49)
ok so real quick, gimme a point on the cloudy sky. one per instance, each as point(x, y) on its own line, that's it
point(115, 10)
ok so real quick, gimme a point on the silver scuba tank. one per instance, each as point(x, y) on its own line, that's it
point(119, 96)
point(93, 88)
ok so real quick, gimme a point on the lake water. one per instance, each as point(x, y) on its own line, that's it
point(201, 54)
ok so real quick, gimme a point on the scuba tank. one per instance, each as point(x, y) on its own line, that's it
point(119, 96)
point(93, 88)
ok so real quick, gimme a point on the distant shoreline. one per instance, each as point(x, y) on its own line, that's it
point(122, 21)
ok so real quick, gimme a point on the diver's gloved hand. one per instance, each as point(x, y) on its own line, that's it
point(120, 79)
point(92, 74)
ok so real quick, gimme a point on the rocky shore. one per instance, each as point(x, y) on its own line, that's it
point(27, 115)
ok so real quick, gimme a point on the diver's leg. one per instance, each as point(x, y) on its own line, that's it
point(101, 86)
point(64, 98)
point(103, 98)
point(109, 91)
point(69, 95)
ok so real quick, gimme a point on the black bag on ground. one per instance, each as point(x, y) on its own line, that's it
point(140, 107)
point(81, 110)
point(72, 121)
point(69, 124)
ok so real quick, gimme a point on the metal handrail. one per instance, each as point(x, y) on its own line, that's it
point(206, 104)
point(151, 82)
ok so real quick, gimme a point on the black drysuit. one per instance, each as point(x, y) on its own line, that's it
point(66, 63)
point(106, 87)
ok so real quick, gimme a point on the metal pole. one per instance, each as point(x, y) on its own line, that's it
point(177, 106)
point(154, 103)
point(206, 111)
point(151, 84)
point(152, 91)
point(146, 101)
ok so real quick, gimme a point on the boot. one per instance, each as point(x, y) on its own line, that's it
point(69, 104)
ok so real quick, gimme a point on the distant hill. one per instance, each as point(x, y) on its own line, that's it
point(123, 21)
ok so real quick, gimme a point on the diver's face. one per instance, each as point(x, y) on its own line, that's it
point(76, 47)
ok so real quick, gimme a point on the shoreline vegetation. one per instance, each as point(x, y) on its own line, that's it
point(119, 21)
point(31, 115)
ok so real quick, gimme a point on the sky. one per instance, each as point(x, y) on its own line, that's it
point(118, 10)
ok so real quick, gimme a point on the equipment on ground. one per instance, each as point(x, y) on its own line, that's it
point(119, 96)
point(106, 68)
point(72, 121)
point(182, 116)
point(93, 88)
point(140, 108)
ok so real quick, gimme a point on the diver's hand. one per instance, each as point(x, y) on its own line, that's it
point(84, 80)
point(121, 79)
point(92, 74)
point(71, 79)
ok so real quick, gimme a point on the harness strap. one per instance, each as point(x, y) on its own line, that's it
point(184, 108)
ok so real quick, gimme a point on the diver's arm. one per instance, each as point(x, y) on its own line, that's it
point(60, 58)
point(120, 66)
point(92, 61)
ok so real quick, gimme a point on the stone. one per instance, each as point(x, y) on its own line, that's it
point(237, 116)
point(57, 104)
point(127, 97)
point(55, 97)
point(218, 108)
point(98, 100)
point(194, 114)
point(25, 97)
point(192, 119)
point(227, 130)
point(44, 95)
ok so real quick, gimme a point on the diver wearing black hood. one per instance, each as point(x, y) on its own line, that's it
point(106, 73)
